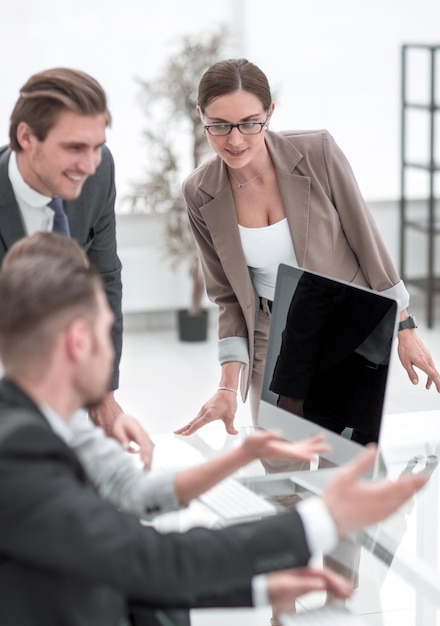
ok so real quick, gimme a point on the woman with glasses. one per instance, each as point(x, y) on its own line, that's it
point(267, 198)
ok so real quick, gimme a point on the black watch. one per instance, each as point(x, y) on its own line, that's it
point(410, 322)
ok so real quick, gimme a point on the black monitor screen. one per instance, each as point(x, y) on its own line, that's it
point(328, 357)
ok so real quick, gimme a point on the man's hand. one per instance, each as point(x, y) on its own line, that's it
point(354, 503)
point(270, 444)
point(126, 429)
point(222, 406)
point(105, 413)
point(413, 353)
point(286, 586)
point(133, 437)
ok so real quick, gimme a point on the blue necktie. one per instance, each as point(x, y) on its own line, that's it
point(60, 221)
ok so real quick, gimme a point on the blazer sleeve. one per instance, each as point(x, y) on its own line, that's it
point(232, 327)
point(117, 478)
point(356, 219)
point(52, 520)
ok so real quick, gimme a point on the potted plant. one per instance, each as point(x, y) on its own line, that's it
point(176, 145)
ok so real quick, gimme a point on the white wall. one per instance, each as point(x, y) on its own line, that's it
point(112, 40)
point(149, 282)
point(332, 64)
point(336, 65)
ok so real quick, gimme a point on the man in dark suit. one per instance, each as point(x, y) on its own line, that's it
point(57, 137)
point(67, 557)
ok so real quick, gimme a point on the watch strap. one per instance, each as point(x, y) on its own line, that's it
point(410, 322)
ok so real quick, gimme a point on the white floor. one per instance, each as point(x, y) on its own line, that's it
point(164, 383)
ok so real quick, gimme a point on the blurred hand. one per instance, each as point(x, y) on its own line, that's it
point(284, 587)
point(126, 429)
point(355, 503)
point(271, 444)
point(133, 437)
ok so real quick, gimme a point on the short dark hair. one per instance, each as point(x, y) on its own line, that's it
point(40, 295)
point(46, 94)
point(227, 76)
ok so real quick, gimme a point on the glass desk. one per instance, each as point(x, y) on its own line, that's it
point(395, 565)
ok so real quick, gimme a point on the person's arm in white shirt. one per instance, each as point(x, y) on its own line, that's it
point(321, 534)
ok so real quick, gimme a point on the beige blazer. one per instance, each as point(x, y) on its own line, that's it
point(333, 231)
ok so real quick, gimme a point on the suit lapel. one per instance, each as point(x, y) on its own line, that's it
point(295, 193)
point(11, 225)
point(221, 219)
point(294, 189)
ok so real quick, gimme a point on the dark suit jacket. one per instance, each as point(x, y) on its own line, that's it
point(67, 557)
point(92, 224)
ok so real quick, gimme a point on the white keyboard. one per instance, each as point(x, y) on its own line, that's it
point(335, 615)
point(231, 501)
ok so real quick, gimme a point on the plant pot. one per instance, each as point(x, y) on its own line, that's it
point(193, 327)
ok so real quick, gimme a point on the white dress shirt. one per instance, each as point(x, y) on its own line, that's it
point(35, 214)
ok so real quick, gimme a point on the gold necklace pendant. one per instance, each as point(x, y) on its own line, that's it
point(246, 182)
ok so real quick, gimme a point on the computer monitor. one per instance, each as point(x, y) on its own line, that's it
point(329, 349)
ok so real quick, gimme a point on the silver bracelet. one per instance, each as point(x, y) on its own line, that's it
point(227, 389)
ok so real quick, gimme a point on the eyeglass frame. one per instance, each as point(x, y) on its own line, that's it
point(237, 126)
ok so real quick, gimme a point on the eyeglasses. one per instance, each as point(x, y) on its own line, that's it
point(245, 128)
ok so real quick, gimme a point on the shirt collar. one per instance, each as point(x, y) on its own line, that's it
point(58, 426)
point(22, 190)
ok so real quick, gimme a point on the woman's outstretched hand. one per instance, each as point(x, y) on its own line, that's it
point(413, 353)
point(271, 444)
point(221, 406)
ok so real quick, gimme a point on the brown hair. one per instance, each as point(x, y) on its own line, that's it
point(228, 76)
point(40, 296)
point(46, 94)
point(46, 244)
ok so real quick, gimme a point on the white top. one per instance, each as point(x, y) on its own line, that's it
point(264, 249)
